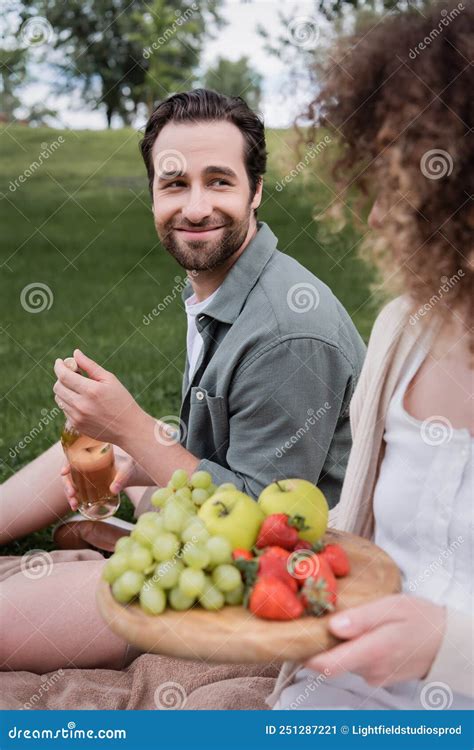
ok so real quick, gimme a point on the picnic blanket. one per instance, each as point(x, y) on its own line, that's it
point(150, 681)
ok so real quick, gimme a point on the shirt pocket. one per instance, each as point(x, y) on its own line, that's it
point(208, 428)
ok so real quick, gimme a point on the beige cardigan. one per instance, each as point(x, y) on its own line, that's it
point(391, 343)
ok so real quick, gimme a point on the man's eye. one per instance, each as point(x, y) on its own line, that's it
point(221, 181)
point(175, 183)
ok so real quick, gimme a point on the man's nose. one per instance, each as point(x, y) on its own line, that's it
point(197, 207)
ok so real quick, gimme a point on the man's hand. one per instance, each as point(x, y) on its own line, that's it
point(99, 406)
point(390, 640)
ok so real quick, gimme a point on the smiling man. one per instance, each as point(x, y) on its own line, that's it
point(273, 357)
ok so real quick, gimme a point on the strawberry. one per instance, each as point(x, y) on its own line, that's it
point(306, 565)
point(273, 600)
point(274, 562)
point(319, 592)
point(241, 554)
point(280, 530)
point(319, 595)
point(302, 544)
point(337, 558)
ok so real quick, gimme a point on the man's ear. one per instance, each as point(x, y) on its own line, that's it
point(257, 198)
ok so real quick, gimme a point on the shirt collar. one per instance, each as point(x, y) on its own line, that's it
point(242, 277)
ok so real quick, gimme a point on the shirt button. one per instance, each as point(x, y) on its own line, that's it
point(199, 395)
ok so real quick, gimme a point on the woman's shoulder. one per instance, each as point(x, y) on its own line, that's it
point(392, 319)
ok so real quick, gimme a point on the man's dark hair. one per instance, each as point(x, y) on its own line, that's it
point(204, 105)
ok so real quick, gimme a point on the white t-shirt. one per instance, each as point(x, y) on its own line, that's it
point(194, 340)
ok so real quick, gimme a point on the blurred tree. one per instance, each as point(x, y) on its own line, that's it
point(12, 76)
point(120, 53)
point(235, 78)
point(171, 36)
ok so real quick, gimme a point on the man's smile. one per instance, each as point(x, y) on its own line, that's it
point(201, 233)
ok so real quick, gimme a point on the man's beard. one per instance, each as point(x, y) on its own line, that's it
point(205, 255)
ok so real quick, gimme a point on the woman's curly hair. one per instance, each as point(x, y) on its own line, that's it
point(398, 99)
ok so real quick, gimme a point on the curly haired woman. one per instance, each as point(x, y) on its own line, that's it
point(398, 100)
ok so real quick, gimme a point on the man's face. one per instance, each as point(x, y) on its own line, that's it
point(201, 193)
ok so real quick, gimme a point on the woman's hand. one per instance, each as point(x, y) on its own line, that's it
point(98, 406)
point(129, 474)
point(390, 640)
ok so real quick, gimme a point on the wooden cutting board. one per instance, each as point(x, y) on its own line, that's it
point(233, 634)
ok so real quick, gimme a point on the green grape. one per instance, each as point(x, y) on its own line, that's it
point(220, 550)
point(160, 497)
point(166, 573)
point(180, 601)
point(146, 531)
point(211, 598)
point(199, 496)
point(165, 546)
point(191, 582)
point(236, 596)
point(151, 516)
point(115, 566)
point(152, 599)
point(186, 505)
point(139, 558)
point(196, 556)
point(200, 480)
point(123, 544)
point(184, 493)
point(195, 531)
point(174, 517)
point(179, 479)
point(127, 586)
point(211, 489)
point(226, 486)
point(226, 577)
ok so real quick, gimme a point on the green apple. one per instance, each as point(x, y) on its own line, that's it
point(233, 515)
point(297, 497)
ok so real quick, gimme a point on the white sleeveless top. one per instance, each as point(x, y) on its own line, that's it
point(423, 519)
point(423, 502)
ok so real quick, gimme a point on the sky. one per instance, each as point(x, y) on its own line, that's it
point(239, 37)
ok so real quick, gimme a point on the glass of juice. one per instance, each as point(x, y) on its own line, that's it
point(92, 469)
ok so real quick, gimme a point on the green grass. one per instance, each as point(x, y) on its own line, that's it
point(81, 223)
